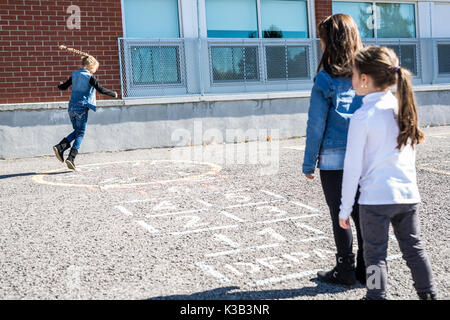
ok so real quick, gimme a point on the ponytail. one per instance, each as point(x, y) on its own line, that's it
point(407, 111)
point(86, 58)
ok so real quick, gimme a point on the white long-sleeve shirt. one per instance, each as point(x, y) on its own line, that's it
point(385, 174)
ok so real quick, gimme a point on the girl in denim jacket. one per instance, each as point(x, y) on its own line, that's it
point(333, 101)
point(81, 100)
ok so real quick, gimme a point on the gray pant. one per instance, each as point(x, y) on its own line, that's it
point(375, 220)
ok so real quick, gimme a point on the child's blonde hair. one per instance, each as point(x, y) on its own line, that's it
point(382, 64)
point(86, 59)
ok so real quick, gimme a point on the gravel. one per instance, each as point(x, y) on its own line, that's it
point(186, 224)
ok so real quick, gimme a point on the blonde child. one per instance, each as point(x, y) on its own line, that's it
point(82, 99)
point(380, 159)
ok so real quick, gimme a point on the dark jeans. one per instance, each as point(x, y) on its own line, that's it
point(375, 220)
point(332, 187)
point(78, 117)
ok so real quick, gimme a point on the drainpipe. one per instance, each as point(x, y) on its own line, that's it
point(200, 51)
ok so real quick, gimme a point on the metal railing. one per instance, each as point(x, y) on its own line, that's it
point(167, 67)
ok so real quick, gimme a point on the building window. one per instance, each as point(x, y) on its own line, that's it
point(443, 58)
point(151, 19)
point(234, 63)
point(385, 20)
point(231, 19)
point(287, 62)
point(155, 65)
point(407, 54)
point(396, 20)
point(284, 19)
point(361, 12)
point(380, 20)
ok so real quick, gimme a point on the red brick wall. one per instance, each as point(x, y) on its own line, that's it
point(31, 65)
point(323, 9)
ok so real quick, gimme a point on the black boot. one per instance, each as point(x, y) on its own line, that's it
point(427, 296)
point(71, 158)
point(360, 272)
point(60, 148)
point(343, 273)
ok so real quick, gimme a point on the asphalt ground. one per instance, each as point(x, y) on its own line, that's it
point(193, 223)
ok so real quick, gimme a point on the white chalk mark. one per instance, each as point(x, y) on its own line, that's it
point(310, 239)
point(287, 219)
point(138, 201)
point(209, 270)
point(300, 148)
point(204, 230)
point(304, 206)
point(304, 226)
point(223, 253)
point(251, 204)
point(229, 252)
point(224, 238)
point(108, 180)
point(146, 226)
point(124, 210)
point(174, 213)
point(274, 211)
point(234, 270)
point(394, 257)
point(272, 194)
point(237, 197)
point(269, 262)
point(321, 253)
point(283, 278)
point(164, 205)
point(272, 233)
point(204, 202)
point(231, 216)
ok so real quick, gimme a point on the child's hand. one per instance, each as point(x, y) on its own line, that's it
point(309, 176)
point(345, 224)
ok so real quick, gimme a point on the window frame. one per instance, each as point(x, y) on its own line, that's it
point(309, 20)
point(180, 22)
point(374, 2)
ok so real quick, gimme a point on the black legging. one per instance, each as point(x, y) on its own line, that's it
point(332, 188)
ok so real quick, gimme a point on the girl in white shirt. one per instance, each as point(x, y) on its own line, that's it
point(380, 158)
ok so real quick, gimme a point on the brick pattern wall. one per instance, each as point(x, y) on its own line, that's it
point(323, 9)
point(31, 65)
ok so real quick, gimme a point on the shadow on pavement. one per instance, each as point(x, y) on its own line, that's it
point(7, 176)
point(225, 293)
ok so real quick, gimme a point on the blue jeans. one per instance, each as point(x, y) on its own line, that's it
point(78, 116)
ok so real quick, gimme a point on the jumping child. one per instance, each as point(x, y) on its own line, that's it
point(381, 159)
point(82, 99)
point(333, 102)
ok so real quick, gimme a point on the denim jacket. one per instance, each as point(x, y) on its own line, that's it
point(83, 93)
point(333, 102)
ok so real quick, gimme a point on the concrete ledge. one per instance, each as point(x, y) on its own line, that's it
point(192, 99)
point(32, 129)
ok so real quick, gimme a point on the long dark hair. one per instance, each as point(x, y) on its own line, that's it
point(382, 65)
point(341, 38)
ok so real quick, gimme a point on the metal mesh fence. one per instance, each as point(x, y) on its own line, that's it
point(167, 67)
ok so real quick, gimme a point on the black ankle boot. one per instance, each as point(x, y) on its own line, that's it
point(60, 148)
point(360, 271)
point(343, 273)
point(427, 296)
point(71, 158)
